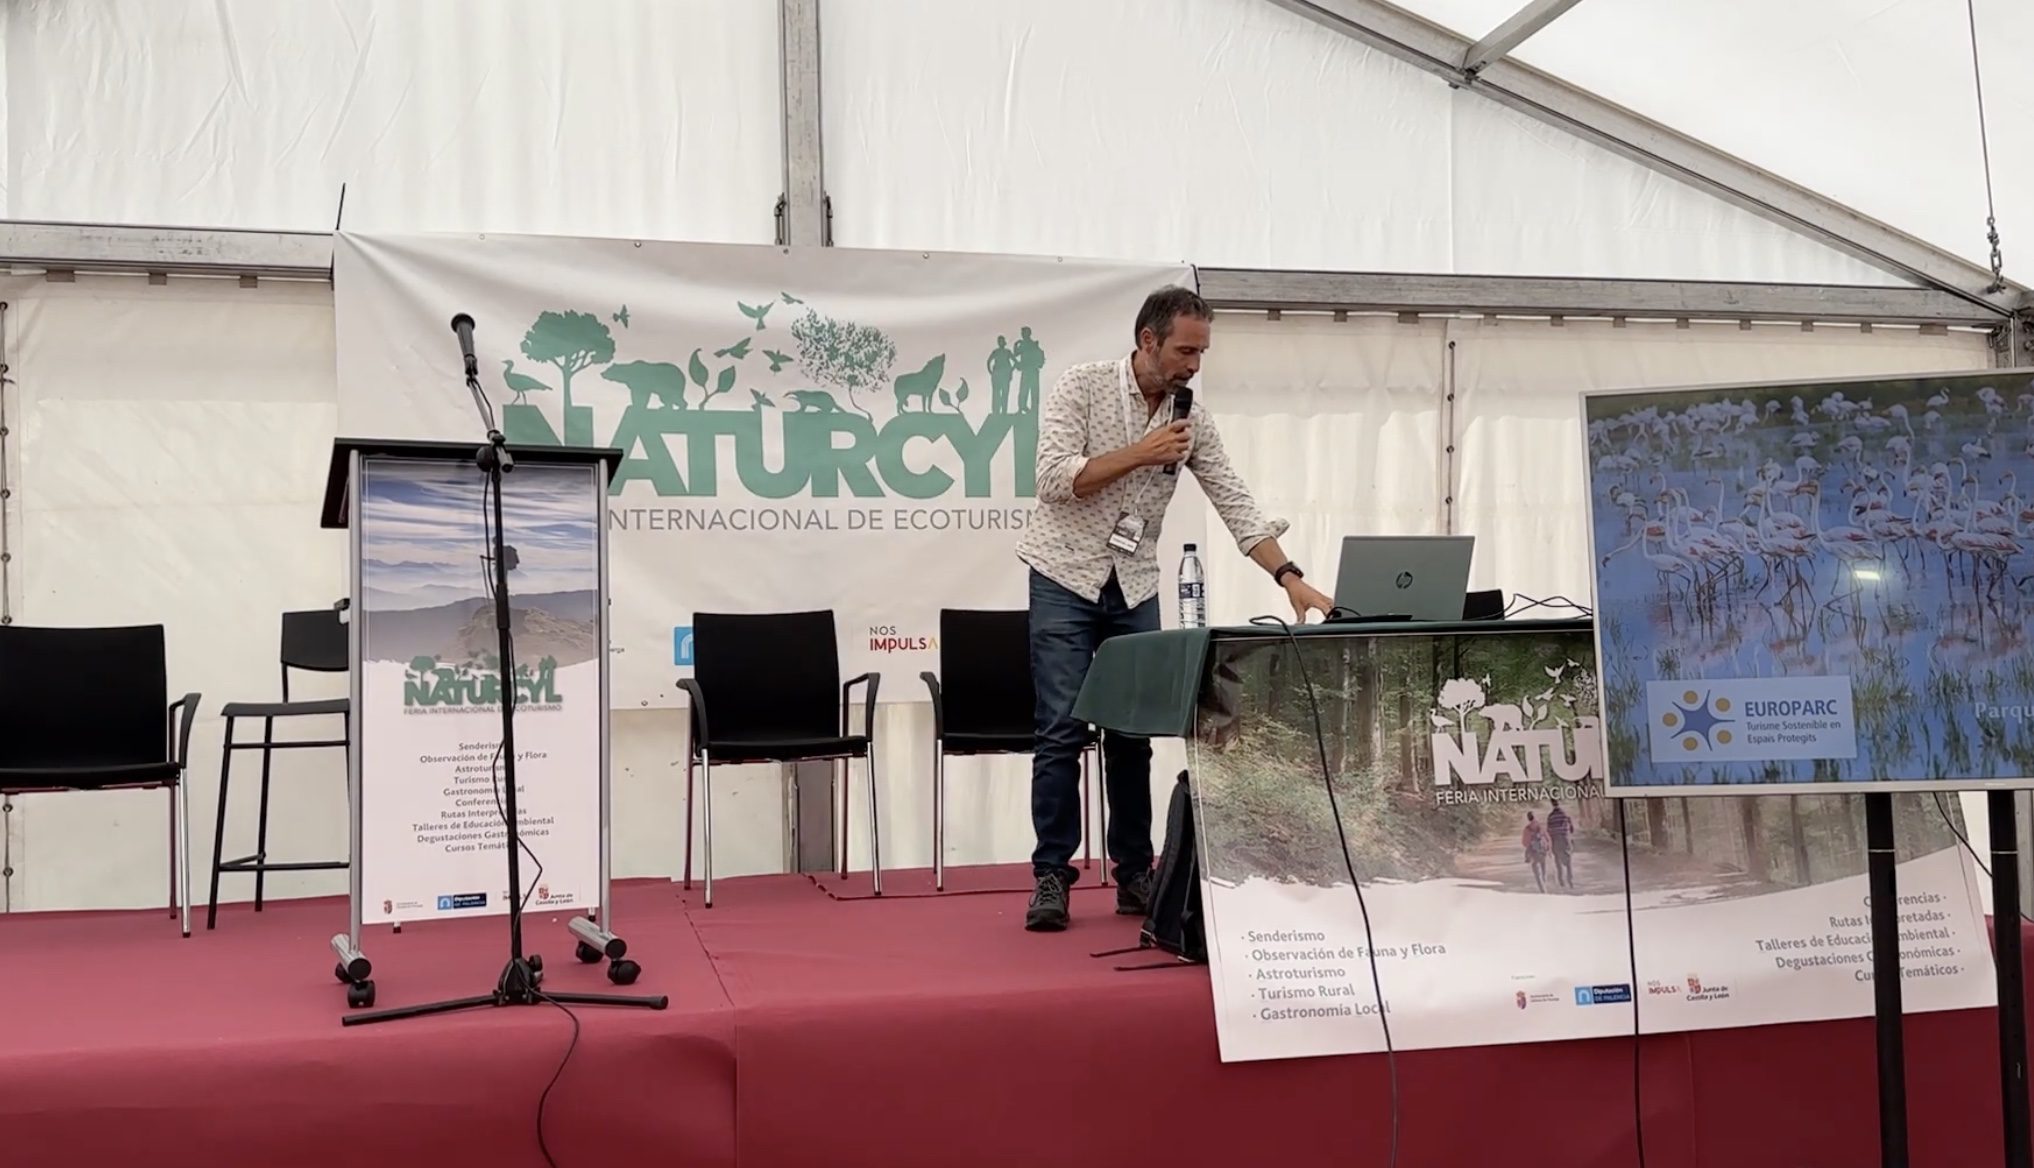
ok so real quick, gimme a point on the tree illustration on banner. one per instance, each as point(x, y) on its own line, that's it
point(571, 341)
point(843, 353)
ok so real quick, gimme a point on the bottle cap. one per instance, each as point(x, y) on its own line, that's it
point(1190, 547)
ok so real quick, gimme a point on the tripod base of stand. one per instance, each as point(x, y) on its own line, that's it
point(518, 986)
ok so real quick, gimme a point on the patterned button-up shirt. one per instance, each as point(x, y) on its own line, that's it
point(1091, 410)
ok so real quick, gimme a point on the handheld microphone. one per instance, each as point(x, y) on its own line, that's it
point(1182, 405)
point(463, 326)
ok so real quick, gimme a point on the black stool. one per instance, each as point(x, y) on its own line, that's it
point(313, 641)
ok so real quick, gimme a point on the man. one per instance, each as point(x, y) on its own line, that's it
point(1561, 830)
point(1105, 433)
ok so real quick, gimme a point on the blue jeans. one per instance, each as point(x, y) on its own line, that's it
point(1066, 629)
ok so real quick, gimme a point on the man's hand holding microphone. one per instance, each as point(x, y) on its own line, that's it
point(1166, 446)
point(1182, 409)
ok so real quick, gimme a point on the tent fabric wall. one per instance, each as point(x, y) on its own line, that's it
point(171, 450)
point(1518, 415)
point(1228, 132)
point(1253, 138)
point(1362, 406)
point(171, 456)
point(1337, 426)
point(632, 118)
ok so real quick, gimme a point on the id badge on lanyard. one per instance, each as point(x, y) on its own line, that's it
point(1128, 534)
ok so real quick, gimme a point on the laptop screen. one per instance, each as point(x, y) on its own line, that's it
point(1417, 577)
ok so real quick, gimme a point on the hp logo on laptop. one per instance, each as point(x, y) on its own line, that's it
point(1404, 580)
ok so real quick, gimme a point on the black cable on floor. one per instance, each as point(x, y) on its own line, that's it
point(1348, 862)
point(505, 669)
point(1638, 1112)
point(542, 1145)
point(1942, 809)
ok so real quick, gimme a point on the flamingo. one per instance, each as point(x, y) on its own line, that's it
point(1846, 543)
point(1667, 566)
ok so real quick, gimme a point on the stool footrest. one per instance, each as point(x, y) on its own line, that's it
point(253, 864)
point(294, 744)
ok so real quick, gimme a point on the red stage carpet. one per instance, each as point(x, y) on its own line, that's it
point(807, 1027)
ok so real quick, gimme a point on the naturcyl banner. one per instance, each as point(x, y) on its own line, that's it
point(801, 428)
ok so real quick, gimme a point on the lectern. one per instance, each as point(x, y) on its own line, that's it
point(426, 772)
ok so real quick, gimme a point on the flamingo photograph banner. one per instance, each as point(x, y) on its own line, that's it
point(1812, 586)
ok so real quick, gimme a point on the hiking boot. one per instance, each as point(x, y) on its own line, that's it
point(1133, 893)
point(1047, 913)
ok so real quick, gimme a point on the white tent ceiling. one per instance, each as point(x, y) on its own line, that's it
point(1228, 132)
point(1871, 102)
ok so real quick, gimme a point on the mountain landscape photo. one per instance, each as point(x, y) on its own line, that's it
point(564, 626)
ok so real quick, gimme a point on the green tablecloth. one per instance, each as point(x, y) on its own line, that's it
point(1150, 683)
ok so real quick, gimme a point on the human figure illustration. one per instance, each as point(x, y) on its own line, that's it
point(1534, 840)
point(1002, 363)
point(1030, 359)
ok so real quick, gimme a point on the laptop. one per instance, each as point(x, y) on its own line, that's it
point(1403, 577)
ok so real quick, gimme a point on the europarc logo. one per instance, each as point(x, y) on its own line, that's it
point(1751, 719)
point(1699, 720)
point(783, 402)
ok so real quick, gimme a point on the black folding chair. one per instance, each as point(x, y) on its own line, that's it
point(313, 641)
point(767, 688)
point(88, 710)
point(983, 704)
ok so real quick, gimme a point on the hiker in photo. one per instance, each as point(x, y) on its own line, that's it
point(1534, 840)
point(1561, 831)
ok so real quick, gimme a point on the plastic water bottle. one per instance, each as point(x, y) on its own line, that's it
point(1193, 591)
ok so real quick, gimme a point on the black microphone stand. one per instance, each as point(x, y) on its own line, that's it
point(521, 977)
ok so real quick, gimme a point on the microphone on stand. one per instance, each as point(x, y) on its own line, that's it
point(497, 448)
point(1182, 405)
point(463, 326)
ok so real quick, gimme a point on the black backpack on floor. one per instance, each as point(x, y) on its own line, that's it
point(1174, 922)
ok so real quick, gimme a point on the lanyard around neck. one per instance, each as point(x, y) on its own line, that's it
point(1133, 401)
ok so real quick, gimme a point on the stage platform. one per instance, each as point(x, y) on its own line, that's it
point(811, 1026)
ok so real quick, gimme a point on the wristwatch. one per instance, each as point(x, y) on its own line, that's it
point(1286, 569)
